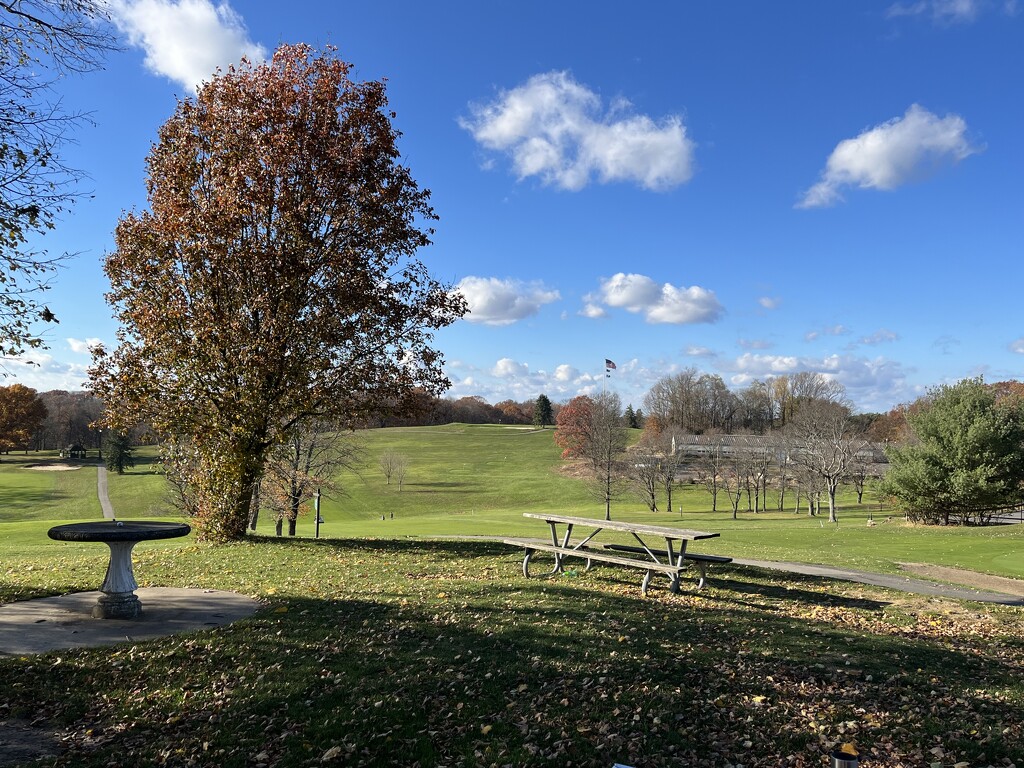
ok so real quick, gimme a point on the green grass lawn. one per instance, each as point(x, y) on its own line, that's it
point(387, 643)
point(477, 480)
point(439, 653)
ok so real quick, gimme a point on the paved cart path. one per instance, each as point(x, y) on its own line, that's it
point(101, 491)
point(891, 581)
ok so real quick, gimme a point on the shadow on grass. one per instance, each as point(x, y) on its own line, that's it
point(146, 465)
point(26, 499)
point(439, 652)
point(457, 489)
point(789, 588)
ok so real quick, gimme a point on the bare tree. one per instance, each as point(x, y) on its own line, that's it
point(692, 401)
point(822, 441)
point(761, 455)
point(401, 468)
point(389, 462)
point(644, 475)
point(671, 463)
point(862, 468)
point(709, 466)
point(782, 476)
point(309, 461)
point(809, 487)
point(735, 475)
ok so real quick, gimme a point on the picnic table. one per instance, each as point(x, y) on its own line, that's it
point(118, 600)
point(670, 559)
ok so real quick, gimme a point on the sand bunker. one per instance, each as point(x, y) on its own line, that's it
point(53, 467)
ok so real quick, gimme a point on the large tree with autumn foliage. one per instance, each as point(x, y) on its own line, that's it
point(273, 280)
point(21, 414)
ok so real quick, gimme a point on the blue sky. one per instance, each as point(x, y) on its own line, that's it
point(751, 188)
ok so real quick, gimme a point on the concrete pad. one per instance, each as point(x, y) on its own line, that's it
point(51, 623)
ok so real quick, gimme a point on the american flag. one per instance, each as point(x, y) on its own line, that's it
point(608, 364)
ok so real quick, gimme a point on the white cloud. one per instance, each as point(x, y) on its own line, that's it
point(757, 366)
point(834, 330)
point(502, 302)
point(880, 336)
point(891, 154)
point(660, 303)
point(556, 129)
point(697, 351)
point(873, 384)
point(83, 346)
point(41, 372)
point(1017, 346)
point(566, 372)
point(755, 344)
point(185, 40)
point(508, 367)
point(593, 311)
point(943, 11)
point(767, 302)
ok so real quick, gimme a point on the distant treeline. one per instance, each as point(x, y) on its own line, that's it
point(69, 421)
point(427, 411)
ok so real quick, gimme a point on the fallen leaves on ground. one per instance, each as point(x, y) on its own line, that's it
point(370, 663)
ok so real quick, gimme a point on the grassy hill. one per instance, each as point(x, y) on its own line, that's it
point(478, 480)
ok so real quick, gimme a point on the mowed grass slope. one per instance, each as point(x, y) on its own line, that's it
point(460, 470)
point(478, 480)
point(28, 491)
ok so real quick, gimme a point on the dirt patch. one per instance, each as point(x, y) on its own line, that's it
point(53, 467)
point(967, 578)
point(20, 742)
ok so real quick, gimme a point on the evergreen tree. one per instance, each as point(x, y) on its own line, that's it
point(964, 457)
point(542, 411)
point(630, 417)
point(119, 452)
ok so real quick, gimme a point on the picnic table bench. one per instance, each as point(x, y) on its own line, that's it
point(670, 560)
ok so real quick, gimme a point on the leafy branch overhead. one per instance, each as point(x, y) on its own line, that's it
point(40, 42)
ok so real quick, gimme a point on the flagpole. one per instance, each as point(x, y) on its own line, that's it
point(608, 366)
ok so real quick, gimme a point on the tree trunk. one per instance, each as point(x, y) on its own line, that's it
point(235, 525)
point(254, 509)
point(293, 512)
point(279, 526)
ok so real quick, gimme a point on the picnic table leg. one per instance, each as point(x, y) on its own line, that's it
point(526, 563)
point(554, 541)
point(676, 560)
point(647, 582)
point(703, 574)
